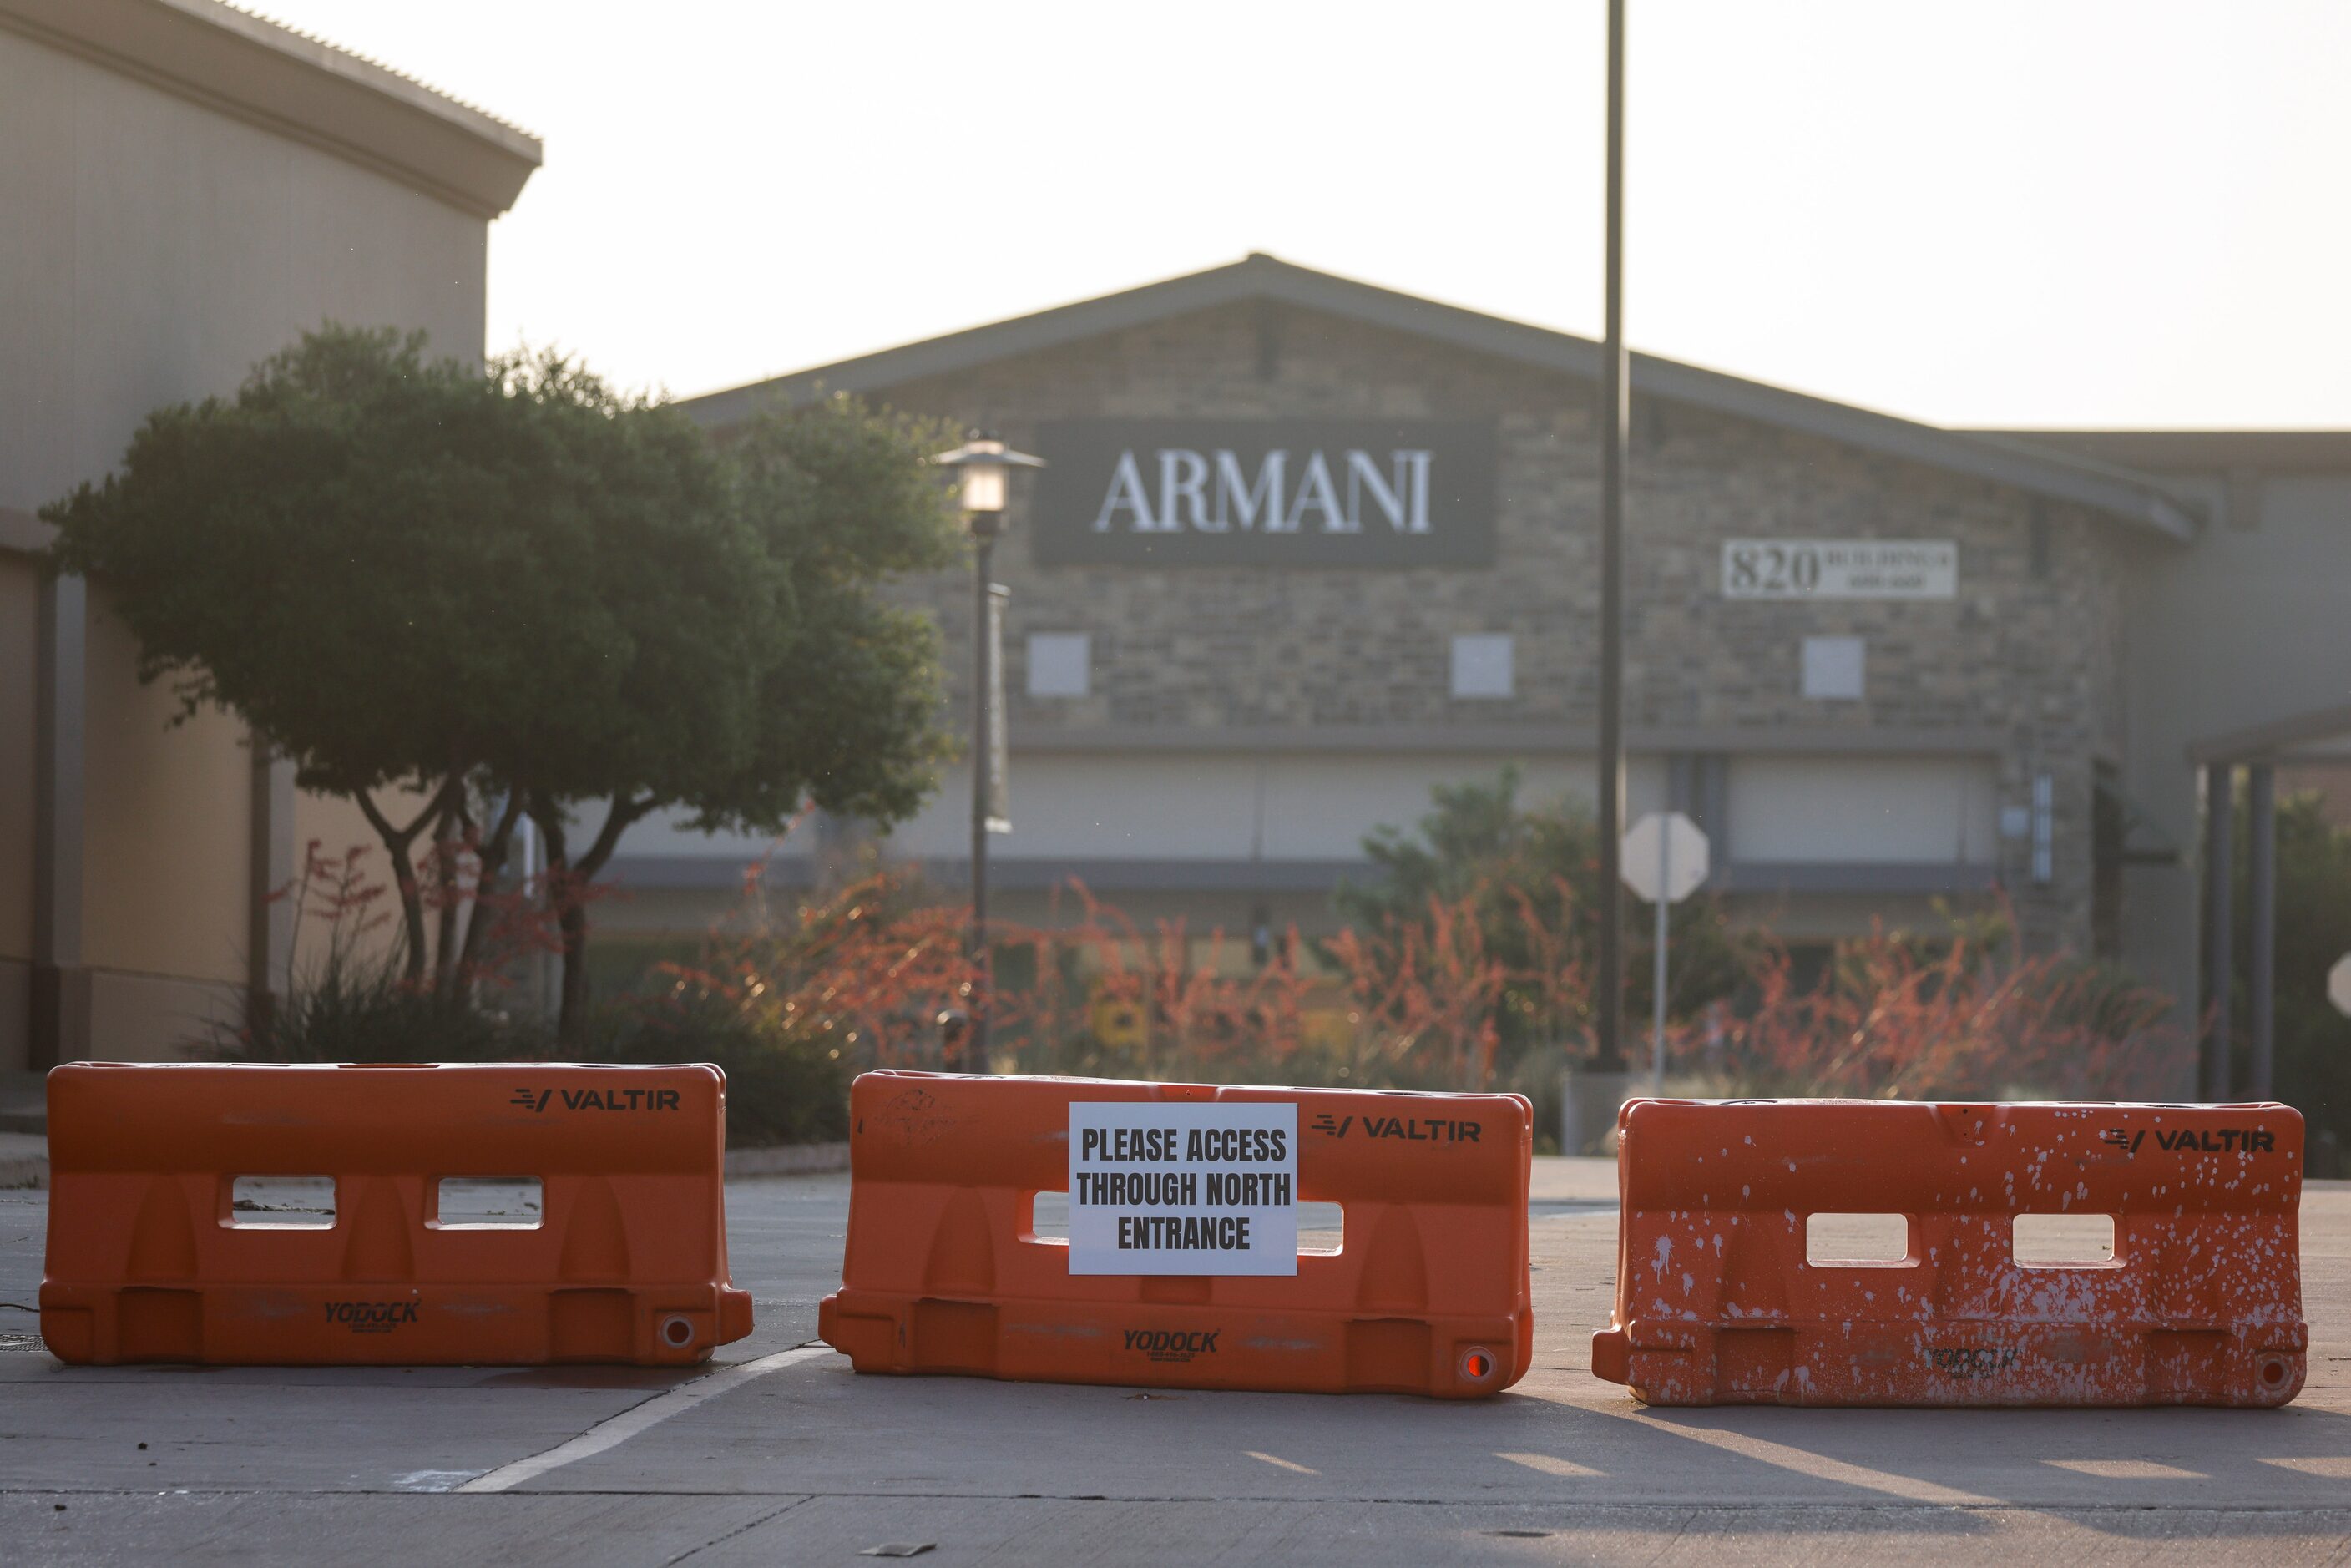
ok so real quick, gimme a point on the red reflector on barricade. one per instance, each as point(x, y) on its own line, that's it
point(514, 1214)
point(1876, 1253)
point(945, 1272)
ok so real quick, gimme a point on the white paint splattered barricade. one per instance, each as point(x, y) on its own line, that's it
point(1881, 1252)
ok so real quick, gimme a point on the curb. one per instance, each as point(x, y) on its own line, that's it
point(789, 1159)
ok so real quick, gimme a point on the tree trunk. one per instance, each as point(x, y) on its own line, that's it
point(448, 846)
point(571, 1017)
point(396, 842)
point(494, 851)
point(567, 888)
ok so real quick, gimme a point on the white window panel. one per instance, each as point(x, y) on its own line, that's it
point(1833, 668)
point(1059, 663)
point(1481, 666)
point(1178, 805)
point(1856, 810)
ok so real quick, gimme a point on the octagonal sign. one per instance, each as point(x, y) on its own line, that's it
point(1664, 851)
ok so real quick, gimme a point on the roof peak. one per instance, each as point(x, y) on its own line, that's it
point(2058, 474)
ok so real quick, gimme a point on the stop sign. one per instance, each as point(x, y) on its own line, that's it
point(1665, 842)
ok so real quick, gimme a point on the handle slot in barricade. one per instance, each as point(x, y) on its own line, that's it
point(1423, 1288)
point(281, 1203)
point(2063, 1241)
point(515, 1214)
point(1873, 1252)
point(488, 1203)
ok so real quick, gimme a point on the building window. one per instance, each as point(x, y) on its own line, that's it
point(1481, 666)
point(1058, 664)
point(1833, 668)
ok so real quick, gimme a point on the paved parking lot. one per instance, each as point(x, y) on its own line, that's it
point(782, 1455)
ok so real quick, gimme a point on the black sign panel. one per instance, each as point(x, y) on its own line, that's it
point(1273, 493)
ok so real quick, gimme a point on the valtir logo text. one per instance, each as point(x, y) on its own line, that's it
point(2190, 1140)
point(537, 1099)
point(1173, 489)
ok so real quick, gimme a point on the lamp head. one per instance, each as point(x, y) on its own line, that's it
point(983, 470)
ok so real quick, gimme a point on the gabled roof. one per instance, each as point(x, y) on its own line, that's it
point(295, 86)
point(2001, 459)
point(2311, 451)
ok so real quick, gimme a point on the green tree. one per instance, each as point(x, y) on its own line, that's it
point(510, 588)
point(843, 688)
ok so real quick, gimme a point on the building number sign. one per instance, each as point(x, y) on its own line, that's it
point(1840, 569)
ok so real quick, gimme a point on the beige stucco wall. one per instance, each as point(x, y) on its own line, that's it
point(152, 249)
point(169, 840)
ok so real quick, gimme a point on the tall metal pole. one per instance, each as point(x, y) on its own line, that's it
point(1615, 403)
point(1657, 979)
point(2220, 938)
point(2260, 892)
point(982, 720)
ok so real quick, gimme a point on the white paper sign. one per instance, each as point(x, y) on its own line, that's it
point(1840, 569)
point(1183, 1189)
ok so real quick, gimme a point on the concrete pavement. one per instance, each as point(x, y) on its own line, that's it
point(784, 1458)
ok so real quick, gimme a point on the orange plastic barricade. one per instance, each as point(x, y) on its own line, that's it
point(1425, 1293)
point(327, 1216)
point(2029, 1254)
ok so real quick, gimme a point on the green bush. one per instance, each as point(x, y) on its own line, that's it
point(780, 1089)
point(353, 1009)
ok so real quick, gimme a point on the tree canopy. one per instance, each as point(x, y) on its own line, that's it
point(510, 587)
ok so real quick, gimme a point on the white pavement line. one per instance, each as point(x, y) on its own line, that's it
point(1550, 1465)
point(2127, 1469)
point(611, 1434)
point(1803, 1462)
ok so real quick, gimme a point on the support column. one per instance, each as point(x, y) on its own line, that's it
point(1615, 411)
point(269, 917)
point(2261, 876)
point(60, 1010)
point(2220, 944)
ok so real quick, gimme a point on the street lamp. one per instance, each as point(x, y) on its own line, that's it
point(983, 471)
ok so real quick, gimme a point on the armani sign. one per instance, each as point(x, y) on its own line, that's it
point(1290, 492)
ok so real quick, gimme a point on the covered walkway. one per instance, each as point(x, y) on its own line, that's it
point(2323, 735)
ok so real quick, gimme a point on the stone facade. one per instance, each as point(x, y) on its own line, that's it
point(2024, 664)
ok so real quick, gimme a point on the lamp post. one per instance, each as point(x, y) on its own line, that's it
point(983, 471)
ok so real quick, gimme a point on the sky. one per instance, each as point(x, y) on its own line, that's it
point(2030, 212)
